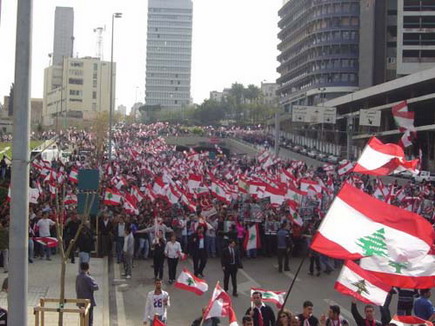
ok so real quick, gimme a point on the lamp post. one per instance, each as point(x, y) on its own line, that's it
point(114, 15)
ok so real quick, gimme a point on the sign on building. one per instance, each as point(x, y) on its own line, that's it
point(370, 118)
point(314, 114)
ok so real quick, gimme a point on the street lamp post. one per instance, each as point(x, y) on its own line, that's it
point(114, 15)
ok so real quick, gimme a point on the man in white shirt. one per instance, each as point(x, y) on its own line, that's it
point(173, 252)
point(156, 304)
point(44, 225)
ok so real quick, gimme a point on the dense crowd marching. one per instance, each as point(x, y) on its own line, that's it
point(201, 203)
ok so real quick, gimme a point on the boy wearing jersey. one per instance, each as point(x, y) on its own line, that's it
point(156, 304)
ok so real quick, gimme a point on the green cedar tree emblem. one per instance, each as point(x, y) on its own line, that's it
point(398, 266)
point(109, 195)
point(190, 281)
point(362, 288)
point(374, 245)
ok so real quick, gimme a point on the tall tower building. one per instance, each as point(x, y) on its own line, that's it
point(319, 45)
point(63, 34)
point(169, 53)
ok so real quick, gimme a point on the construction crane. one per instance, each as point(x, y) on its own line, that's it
point(99, 49)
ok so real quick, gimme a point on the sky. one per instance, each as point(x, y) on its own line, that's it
point(233, 41)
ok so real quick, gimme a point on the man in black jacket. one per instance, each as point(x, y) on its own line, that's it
point(199, 253)
point(369, 312)
point(262, 314)
point(230, 261)
point(307, 314)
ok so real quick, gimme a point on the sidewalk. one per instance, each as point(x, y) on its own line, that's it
point(44, 279)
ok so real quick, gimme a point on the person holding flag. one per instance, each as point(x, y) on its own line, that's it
point(173, 252)
point(262, 314)
point(369, 311)
point(156, 305)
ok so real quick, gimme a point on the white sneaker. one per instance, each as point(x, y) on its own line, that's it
point(128, 277)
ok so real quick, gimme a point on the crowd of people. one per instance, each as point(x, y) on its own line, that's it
point(174, 204)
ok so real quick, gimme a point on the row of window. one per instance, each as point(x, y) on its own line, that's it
point(161, 43)
point(419, 22)
point(336, 8)
point(335, 36)
point(154, 81)
point(419, 5)
point(159, 69)
point(169, 37)
point(167, 88)
point(168, 95)
point(428, 55)
point(75, 81)
point(76, 72)
point(157, 23)
point(76, 64)
point(168, 56)
point(168, 10)
point(184, 30)
point(75, 92)
point(173, 50)
point(170, 17)
point(419, 39)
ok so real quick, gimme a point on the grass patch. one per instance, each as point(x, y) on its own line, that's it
point(8, 152)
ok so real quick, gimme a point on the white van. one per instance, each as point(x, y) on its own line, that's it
point(426, 176)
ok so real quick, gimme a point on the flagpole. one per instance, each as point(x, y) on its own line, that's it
point(291, 285)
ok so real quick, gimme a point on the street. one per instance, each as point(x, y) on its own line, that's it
point(261, 272)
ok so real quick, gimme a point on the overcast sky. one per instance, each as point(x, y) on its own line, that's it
point(233, 40)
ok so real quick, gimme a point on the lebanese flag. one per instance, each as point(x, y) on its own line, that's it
point(276, 297)
point(277, 196)
point(345, 168)
point(383, 159)
point(136, 193)
point(193, 181)
point(220, 306)
point(307, 184)
point(243, 186)
point(70, 199)
point(404, 119)
point(406, 139)
point(172, 195)
point(377, 229)
point(295, 195)
point(130, 207)
point(157, 321)
point(50, 242)
point(357, 283)
point(409, 321)
point(112, 197)
point(219, 192)
point(159, 186)
point(189, 282)
point(411, 274)
point(252, 238)
point(74, 175)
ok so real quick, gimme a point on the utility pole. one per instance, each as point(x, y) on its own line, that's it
point(114, 15)
point(276, 134)
point(349, 133)
point(19, 226)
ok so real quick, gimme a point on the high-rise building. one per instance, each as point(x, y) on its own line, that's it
point(169, 53)
point(63, 34)
point(83, 92)
point(319, 45)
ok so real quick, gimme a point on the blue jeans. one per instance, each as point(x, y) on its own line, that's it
point(84, 257)
point(119, 247)
point(143, 245)
point(326, 262)
point(252, 253)
point(211, 246)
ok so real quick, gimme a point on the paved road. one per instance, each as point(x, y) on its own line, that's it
point(261, 272)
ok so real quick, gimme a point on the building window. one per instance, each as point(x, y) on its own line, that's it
point(76, 64)
point(76, 81)
point(75, 100)
point(94, 95)
point(94, 106)
point(94, 83)
point(95, 66)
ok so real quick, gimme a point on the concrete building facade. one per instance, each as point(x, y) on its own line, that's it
point(319, 45)
point(169, 53)
point(84, 90)
point(63, 43)
point(216, 96)
point(269, 91)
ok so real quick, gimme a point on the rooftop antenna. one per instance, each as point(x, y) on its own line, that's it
point(99, 49)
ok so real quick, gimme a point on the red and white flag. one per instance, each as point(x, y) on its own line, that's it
point(252, 238)
point(50, 242)
point(277, 196)
point(189, 282)
point(410, 274)
point(276, 297)
point(193, 181)
point(404, 119)
point(158, 322)
point(70, 199)
point(409, 321)
point(363, 286)
point(383, 159)
point(377, 228)
point(220, 305)
point(112, 197)
point(74, 175)
point(345, 168)
point(406, 139)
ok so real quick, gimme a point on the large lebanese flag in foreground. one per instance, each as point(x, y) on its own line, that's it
point(252, 238)
point(356, 282)
point(358, 225)
point(409, 321)
point(383, 159)
point(411, 274)
point(220, 306)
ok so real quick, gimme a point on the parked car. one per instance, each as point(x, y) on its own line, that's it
point(321, 156)
point(296, 148)
point(303, 151)
point(312, 153)
point(424, 176)
point(332, 159)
